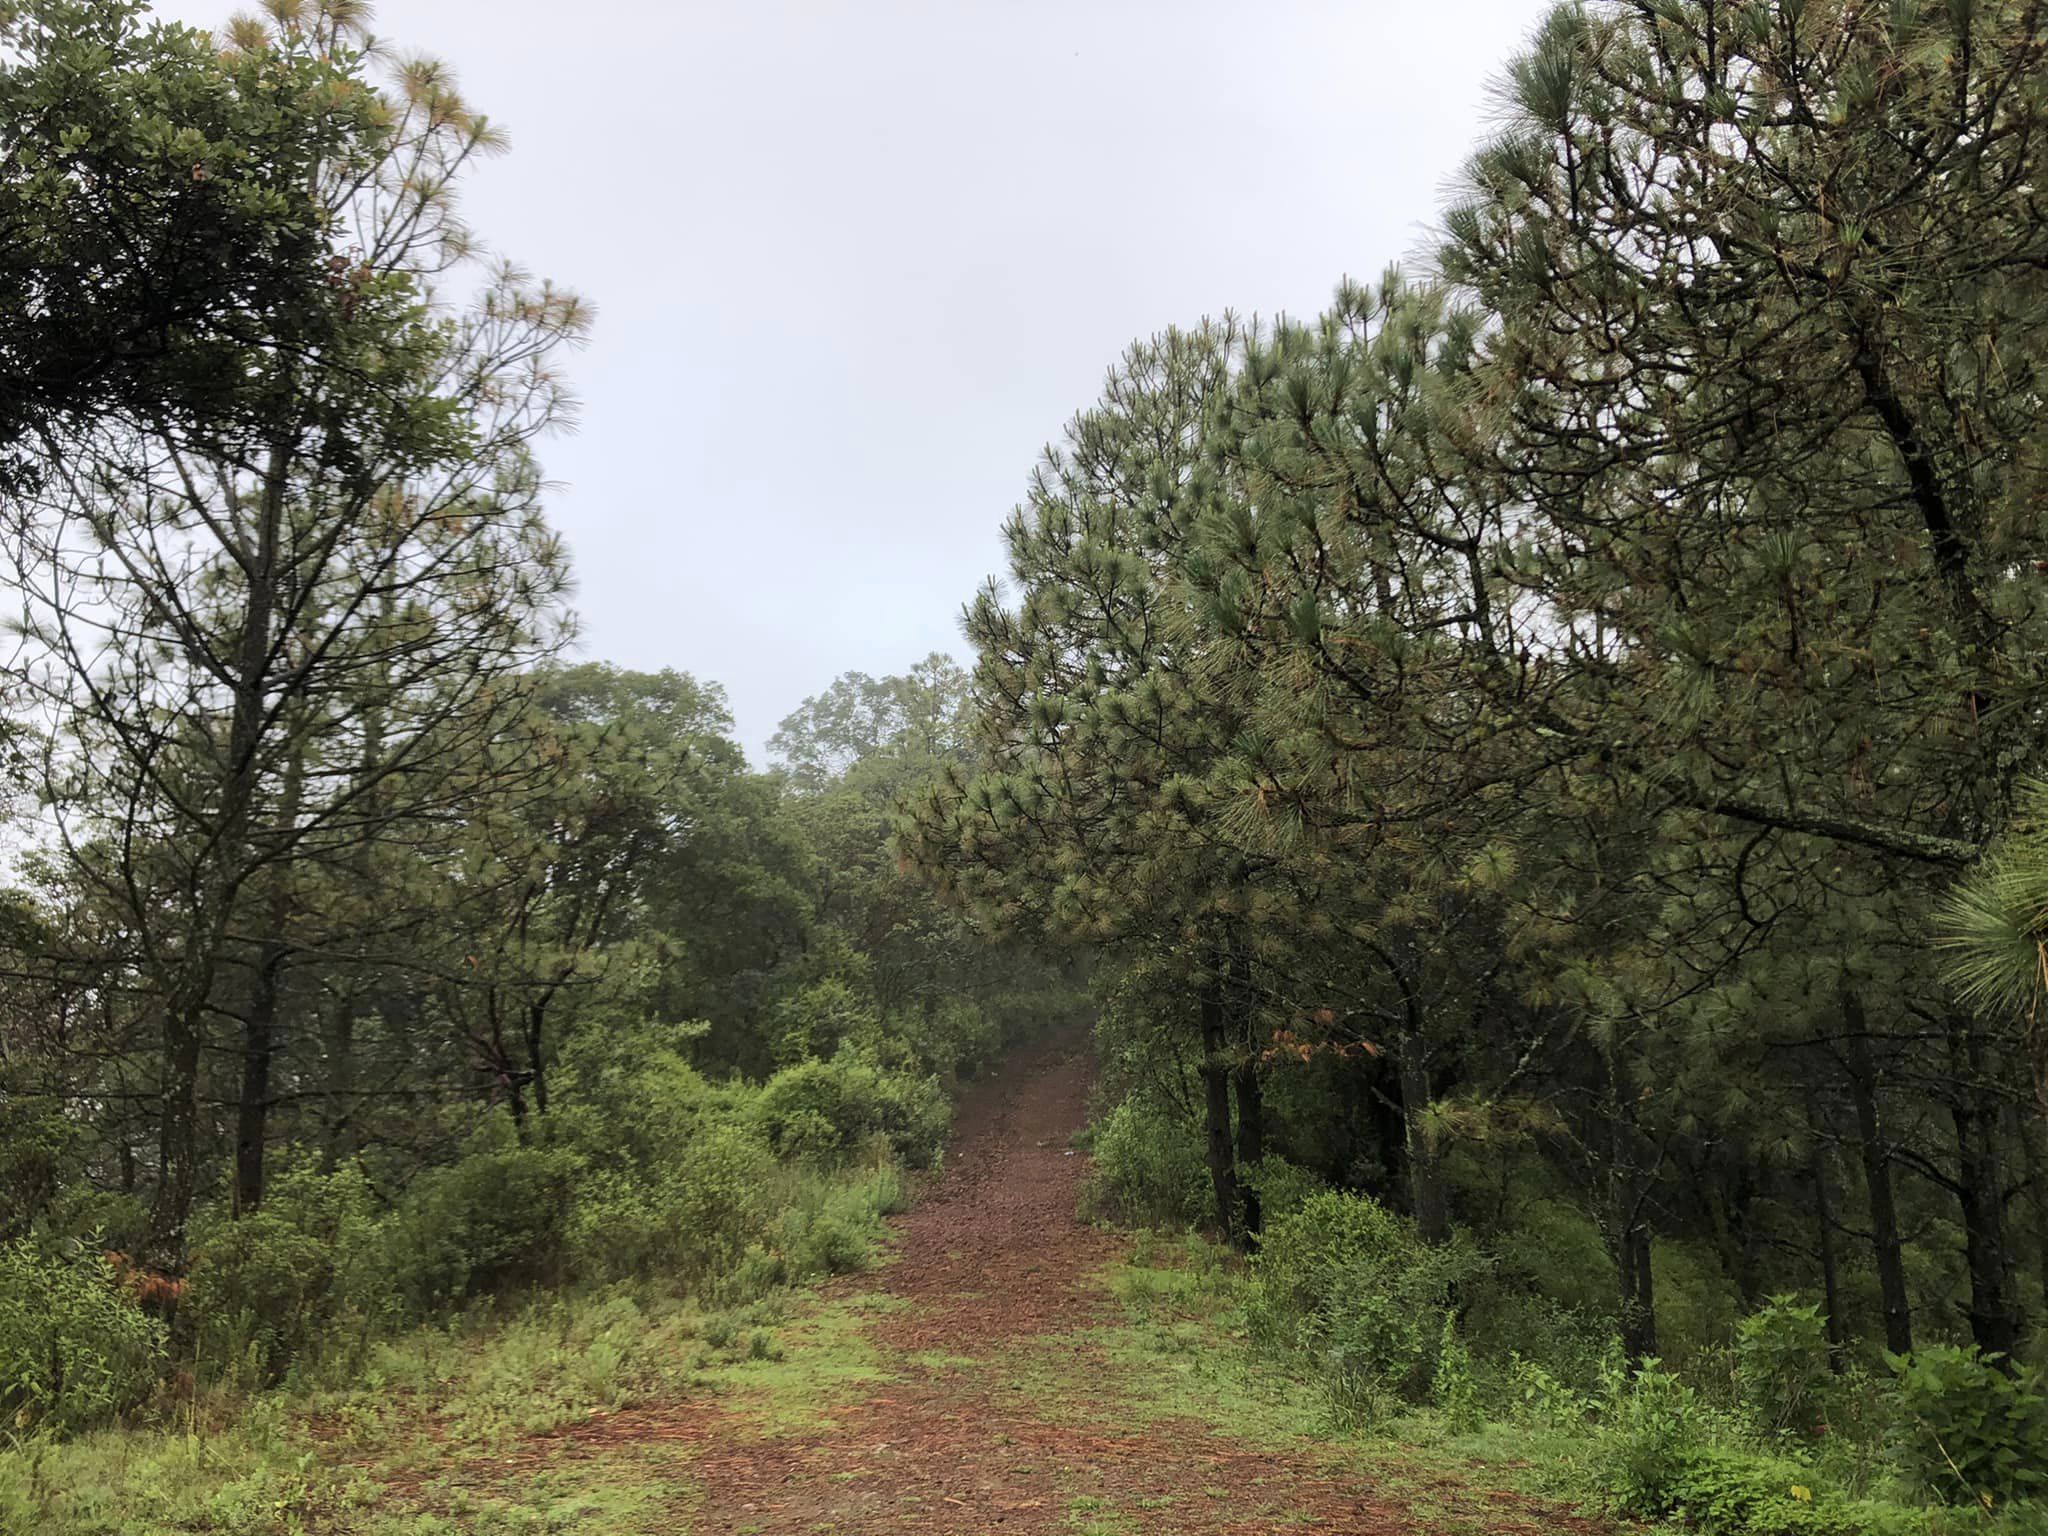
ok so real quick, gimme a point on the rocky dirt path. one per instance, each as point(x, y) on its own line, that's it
point(996, 1409)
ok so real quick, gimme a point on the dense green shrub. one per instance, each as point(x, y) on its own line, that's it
point(1147, 1168)
point(1970, 1432)
point(1724, 1492)
point(1653, 1426)
point(497, 1217)
point(719, 1196)
point(1663, 1453)
point(691, 1219)
point(831, 1227)
point(1344, 1288)
point(1283, 1187)
point(283, 1281)
point(813, 1021)
point(74, 1349)
point(1781, 1365)
point(829, 1109)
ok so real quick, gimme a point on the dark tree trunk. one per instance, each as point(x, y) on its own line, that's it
point(1629, 1176)
point(1251, 1102)
point(1981, 1191)
point(1638, 1287)
point(177, 1158)
point(259, 1054)
point(1425, 1170)
point(1830, 1264)
point(1886, 1248)
point(1216, 1112)
point(259, 1025)
point(338, 1140)
point(217, 883)
point(1251, 1147)
point(2030, 1137)
point(1426, 1199)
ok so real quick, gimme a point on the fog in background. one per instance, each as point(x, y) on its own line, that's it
point(855, 264)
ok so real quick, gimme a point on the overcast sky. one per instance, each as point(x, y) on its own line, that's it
point(855, 263)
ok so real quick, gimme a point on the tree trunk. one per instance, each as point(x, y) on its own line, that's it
point(1886, 1247)
point(217, 881)
point(259, 1025)
point(338, 1135)
point(1638, 1286)
point(1426, 1198)
point(1981, 1193)
point(1216, 1113)
point(1251, 1101)
point(1830, 1265)
point(177, 1162)
point(259, 1052)
point(2030, 1137)
point(1425, 1169)
point(1251, 1147)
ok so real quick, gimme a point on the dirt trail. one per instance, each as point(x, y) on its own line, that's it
point(995, 1268)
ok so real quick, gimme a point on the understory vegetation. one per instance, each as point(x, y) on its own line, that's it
point(1385, 1342)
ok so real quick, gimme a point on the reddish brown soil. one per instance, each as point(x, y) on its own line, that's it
point(995, 1265)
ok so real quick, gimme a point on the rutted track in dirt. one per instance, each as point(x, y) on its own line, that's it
point(993, 1266)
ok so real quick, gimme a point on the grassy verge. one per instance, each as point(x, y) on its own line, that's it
point(1183, 1352)
point(494, 1424)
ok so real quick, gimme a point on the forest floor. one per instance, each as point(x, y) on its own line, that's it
point(992, 1378)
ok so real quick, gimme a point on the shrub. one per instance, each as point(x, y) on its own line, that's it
point(1654, 1425)
point(497, 1217)
point(1725, 1492)
point(717, 1195)
point(828, 1109)
point(1781, 1365)
point(73, 1348)
point(1969, 1432)
point(1283, 1187)
point(1147, 1168)
point(1454, 1388)
point(1345, 1286)
point(1662, 1453)
point(286, 1279)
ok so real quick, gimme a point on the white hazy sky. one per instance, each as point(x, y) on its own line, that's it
point(855, 263)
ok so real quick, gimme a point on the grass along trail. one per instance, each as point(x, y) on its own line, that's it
point(989, 1378)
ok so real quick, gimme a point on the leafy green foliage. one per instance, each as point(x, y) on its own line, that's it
point(1344, 1289)
point(832, 1109)
point(74, 1348)
point(499, 1216)
point(1146, 1167)
point(306, 1273)
point(1782, 1367)
point(1972, 1432)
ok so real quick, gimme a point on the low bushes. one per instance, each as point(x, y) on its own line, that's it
point(1970, 1432)
point(1148, 1168)
point(74, 1347)
point(1762, 1433)
point(291, 1277)
point(828, 1109)
point(728, 1189)
point(1345, 1290)
point(496, 1218)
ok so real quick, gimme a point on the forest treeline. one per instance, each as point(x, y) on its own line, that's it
point(365, 956)
point(1550, 742)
